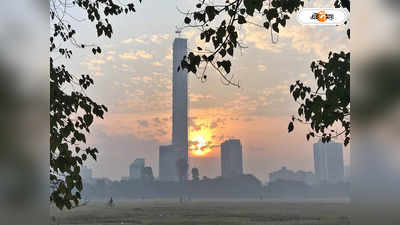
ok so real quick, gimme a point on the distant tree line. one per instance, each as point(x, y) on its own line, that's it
point(240, 187)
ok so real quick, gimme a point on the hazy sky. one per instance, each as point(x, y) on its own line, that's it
point(133, 78)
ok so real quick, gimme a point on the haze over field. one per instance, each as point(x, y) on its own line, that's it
point(208, 213)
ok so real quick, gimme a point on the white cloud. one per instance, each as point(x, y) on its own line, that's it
point(169, 55)
point(140, 40)
point(97, 61)
point(93, 64)
point(158, 38)
point(317, 40)
point(135, 55)
point(98, 74)
point(199, 97)
point(280, 89)
point(92, 67)
point(127, 41)
point(144, 54)
point(302, 75)
point(261, 68)
point(260, 38)
point(157, 63)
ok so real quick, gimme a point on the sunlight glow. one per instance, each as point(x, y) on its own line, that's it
point(200, 142)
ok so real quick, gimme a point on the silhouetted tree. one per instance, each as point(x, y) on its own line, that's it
point(221, 40)
point(195, 174)
point(328, 106)
point(148, 174)
point(219, 25)
point(72, 112)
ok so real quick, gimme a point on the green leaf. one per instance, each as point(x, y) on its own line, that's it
point(230, 51)
point(266, 25)
point(275, 27)
point(88, 118)
point(290, 127)
point(226, 64)
point(241, 19)
point(211, 12)
point(222, 52)
point(187, 20)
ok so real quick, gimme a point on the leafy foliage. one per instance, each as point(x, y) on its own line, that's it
point(344, 4)
point(329, 105)
point(72, 112)
point(219, 25)
point(327, 110)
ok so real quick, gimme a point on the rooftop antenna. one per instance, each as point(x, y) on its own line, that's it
point(178, 31)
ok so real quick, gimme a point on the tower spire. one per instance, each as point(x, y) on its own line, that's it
point(178, 31)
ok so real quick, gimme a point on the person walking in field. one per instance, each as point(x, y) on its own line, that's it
point(110, 203)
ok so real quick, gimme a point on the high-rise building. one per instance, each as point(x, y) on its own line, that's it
point(179, 97)
point(136, 169)
point(168, 157)
point(231, 158)
point(170, 154)
point(328, 162)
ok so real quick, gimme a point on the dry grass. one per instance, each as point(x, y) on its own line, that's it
point(163, 212)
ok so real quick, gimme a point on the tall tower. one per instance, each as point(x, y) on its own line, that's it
point(170, 154)
point(179, 98)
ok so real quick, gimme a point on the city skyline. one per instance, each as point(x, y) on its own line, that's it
point(133, 79)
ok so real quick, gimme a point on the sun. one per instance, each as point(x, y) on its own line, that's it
point(200, 142)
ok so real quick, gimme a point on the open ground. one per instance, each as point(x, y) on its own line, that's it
point(206, 212)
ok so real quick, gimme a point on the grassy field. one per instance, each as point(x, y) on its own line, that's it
point(201, 212)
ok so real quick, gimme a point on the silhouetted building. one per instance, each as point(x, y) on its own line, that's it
point(179, 97)
point(168, 157)
point(289, 175)
point(169, 154)
point(328, 162)
point(136, 169)
point(306, 176)
point(231, 158)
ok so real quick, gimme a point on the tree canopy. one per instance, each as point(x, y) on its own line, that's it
point(329, 105)
point(72, 112)
point(219, 25)
point(326, 110)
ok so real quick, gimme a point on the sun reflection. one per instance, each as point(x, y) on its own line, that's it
point(200, 142)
